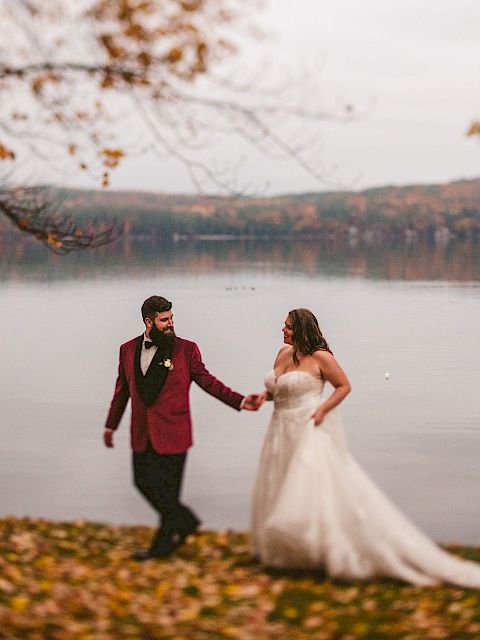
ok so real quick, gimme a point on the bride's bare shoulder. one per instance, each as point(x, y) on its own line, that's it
point(324, 360)
point(284, 352)
point(322, 355)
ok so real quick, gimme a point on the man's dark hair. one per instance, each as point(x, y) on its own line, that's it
point(154, 305)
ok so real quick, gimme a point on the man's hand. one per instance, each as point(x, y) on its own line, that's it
point(108, 437)
point(253, 402)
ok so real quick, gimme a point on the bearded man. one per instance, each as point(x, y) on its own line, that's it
point(155, 371)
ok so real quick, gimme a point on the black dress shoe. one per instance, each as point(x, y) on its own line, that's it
point(158, 552)
point(143, 554)
point(182, 533)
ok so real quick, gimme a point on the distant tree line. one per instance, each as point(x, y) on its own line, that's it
point(397, 214)
point(278, 222)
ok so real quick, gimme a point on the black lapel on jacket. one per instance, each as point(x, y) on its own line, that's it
point(137, 369)
point(156, 375)
point(160, 355)
point(150, 385)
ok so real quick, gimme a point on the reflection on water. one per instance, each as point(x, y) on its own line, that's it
point(417, 433)
point(456, 261)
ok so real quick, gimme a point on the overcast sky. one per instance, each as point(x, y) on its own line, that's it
point(412, 67)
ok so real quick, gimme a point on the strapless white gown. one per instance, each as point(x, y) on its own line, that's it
point(314, 507)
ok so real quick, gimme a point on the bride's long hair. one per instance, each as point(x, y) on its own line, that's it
point(307, 336)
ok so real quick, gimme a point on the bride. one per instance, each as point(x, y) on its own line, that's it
point(313, 506)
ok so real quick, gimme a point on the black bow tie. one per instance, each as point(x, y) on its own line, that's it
point(147, 344)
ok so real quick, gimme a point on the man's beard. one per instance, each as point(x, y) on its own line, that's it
point(161, 338)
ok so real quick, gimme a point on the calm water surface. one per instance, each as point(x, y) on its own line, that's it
point(412, 312)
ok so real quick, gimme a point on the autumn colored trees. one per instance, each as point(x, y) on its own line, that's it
point(399, 215)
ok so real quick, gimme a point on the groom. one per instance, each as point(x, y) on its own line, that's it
point(155, 371)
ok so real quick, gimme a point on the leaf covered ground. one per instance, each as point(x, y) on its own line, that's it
point(75, 581)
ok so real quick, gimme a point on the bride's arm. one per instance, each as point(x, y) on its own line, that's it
point(333, 373)
point(265, 394)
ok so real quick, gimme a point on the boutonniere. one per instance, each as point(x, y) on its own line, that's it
point(167, 363)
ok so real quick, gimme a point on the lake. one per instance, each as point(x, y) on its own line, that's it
point(411, 311)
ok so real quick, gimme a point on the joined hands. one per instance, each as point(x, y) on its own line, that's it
point(254, 401)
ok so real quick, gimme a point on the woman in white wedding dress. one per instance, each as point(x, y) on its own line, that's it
point(313, 506)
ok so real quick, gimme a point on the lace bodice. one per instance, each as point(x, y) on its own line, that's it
point(294, 389)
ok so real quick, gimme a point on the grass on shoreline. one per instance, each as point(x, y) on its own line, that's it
point(74, 581)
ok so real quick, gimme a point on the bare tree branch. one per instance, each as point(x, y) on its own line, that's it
point(34, 212)
point(77, 69)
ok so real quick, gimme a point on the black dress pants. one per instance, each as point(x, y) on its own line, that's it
point(158, 477)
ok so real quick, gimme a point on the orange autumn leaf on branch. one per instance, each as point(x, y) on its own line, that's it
point(175, 54)
point(6, 153)
point(111, 157)
point(53, 240)
point(474, 129)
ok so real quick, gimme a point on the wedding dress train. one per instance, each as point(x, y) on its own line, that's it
point(314, 506)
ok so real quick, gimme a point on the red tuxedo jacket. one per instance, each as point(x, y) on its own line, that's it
point(167, 423)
